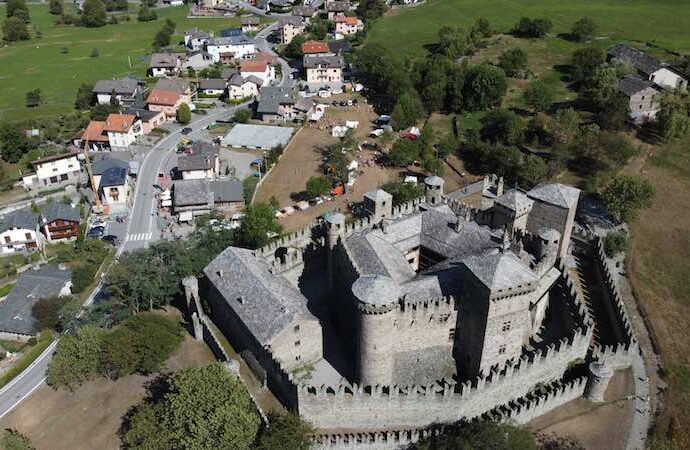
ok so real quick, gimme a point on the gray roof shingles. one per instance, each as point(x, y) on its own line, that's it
point(22, 218)
point(556, 194)
point(52, 211)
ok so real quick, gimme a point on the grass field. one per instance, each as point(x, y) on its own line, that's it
point(40, 63)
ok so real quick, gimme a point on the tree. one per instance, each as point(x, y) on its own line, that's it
point(535, 28)
point(564, 126)
point(146, 14)
point(33, 98)
point(407, 110)
point(162, 38)
point(585, 60)
point(371, 9)
point(242, 115)
point(481, 29)
point(626, 195)
point(18, 9)
point(673, 118)
point(93, 14)
point(259, 220)
point(384, 76)
point(46, 312)
point(532, 170)
point(293, 49)
point(615, 242)
point(209, 400)
point(14, 440)
point(403, 192)
point(317, 186)
point(403, 153)
point(285, 431)
point(14, 143)
point(116, 5)
point(583, 30)
point(538, 95)
point(84, 96)
point(55, 7)
point(484, 86)
point(502, 125)
point(76, 358)
point(513, 61)
point(452, 41)
point(82, 277)
point(14, 29)
point(481, 436)
point(184, 114)
point(434, 84)
point(601, 87)
point(101, 112)
point(454, 86)
point(614, 113)
point(317, 28)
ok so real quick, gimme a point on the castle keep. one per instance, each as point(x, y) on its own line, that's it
point(448, 307)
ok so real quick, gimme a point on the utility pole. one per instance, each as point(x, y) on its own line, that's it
point(97, 199)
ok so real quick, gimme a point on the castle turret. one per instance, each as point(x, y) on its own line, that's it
point(379, 204)
point(376, 296)
point(599, 376)
point(433, 190)
point(547, 246)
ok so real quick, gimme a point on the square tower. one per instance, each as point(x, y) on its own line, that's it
point(379, 204)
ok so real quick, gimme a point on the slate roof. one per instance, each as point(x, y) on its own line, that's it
point(515, 200)
point(101, 165)
point(499, 270)
point(376, 289)
point(304, 11)
point(195, 33)
point(225, 191)
point(217, 84)
point(172, 84)
point(233, 31)
point(54, 158)
point(378, 195)
point(192, 192)
point(632, 84)
point(167, 60)
point(113, 176)
point(231, 40)
point(339, 47)
point(295, 21)
point(144, 114)
point(202, 156)
point(338, 6)
point(31, 286)
point(327, 61)
point(22, 218)
point(271, 97)
point(125, 86)
point(266, 304)
point(640, 60)
point(52, 211)
point(556, 194)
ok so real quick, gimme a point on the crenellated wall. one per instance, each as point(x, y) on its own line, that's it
point(398, 406)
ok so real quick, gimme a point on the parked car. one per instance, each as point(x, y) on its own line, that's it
point(96, 232)
point(110, 239)
point(186, 130)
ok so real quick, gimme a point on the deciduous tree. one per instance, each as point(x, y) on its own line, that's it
point(583, 30)
point(585, 60)
point(484, 86)
point(513, 61)
point(538, 95)
point(93, 15)
point(14, 29)
point(317, 186)
point(76, 359)
point(184, 114)
point(259, 220)
point(55, 7)
point(626, 195)
point(287, 432)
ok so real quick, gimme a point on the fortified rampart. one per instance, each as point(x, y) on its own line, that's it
point(376, 407)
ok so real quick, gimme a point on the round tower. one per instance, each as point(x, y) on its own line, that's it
point(376, 297)
point(433, 190)
point(548, 242)
point(599, 376)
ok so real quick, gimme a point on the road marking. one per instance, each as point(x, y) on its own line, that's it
point(139, 237)
point(46, 352)
point(14, 405)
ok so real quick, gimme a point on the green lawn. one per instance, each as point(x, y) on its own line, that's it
point(663, 22)
point(40, 63)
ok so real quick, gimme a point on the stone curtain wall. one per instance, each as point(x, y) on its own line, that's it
point(618, 356)
point(416, 406)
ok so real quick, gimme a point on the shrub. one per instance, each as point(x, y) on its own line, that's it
point(513, 61)
point(46, 311)
point(527, 27)
point(242, 115)
point(403, 192)
point(82, 277)
point(77, 358)
point(14, 440)
point(615, 242)
point(317, 186)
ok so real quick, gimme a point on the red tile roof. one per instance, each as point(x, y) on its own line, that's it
point(253, 66)
point(346, 19)
point(165, 98)
point(94, 132)
point(311, 47)
point(120, 123)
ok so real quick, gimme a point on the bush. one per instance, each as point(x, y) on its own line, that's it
point(76, 358)
point(82, 277)
point(403, 192)
point(527, 27)
point(286, 431)
point(615, 242)
point(184, 114)
point(583, 30)
point(625, 196)
point(317, 186)
point(146, 14)
point(14, 440)
point(242, 115)
point(46, 312)
point(513, 61)
point(538, 95)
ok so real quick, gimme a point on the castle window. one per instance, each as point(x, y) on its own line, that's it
point(296, 328)
point(451, 334)
point(501, 349)
point(240, 300)
point(505, 326)
point(297, 343)
point(298, 357)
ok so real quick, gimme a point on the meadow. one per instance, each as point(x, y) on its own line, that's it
point(59, 61)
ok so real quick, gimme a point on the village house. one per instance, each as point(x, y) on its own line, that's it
point(250, 23)
point(17, 322)
point(52, 171)
point(127, 91)
point(111, 176)
point(165, 64)
point(315, 48)
point(279, 104)
point(323, 68)
point(212, 86)
point(651, 68)
point(290, 27)
point(305, 12)
point(192, 198)
point(236, 47)
point(94, 137)
point(149, 119)
point(239, 87)
point(281, 6)
point(202, 162)
point(259, 69)
point(19, 232)
point(123, 130)
point(167, 102)
point(334, 9)
point(198, 60)
point(60, 221)
point(195, 39)
point(347, 25)
point(643, 97)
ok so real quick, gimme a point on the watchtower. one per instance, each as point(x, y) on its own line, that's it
point(433, 190)
point(379, 204)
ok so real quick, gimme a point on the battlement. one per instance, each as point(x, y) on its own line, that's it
point(444, 303)
point(297, 238)
point(573, 295)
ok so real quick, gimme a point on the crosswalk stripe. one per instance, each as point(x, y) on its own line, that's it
point(139, 237)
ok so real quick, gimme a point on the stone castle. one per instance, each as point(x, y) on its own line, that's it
point(450, 307)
